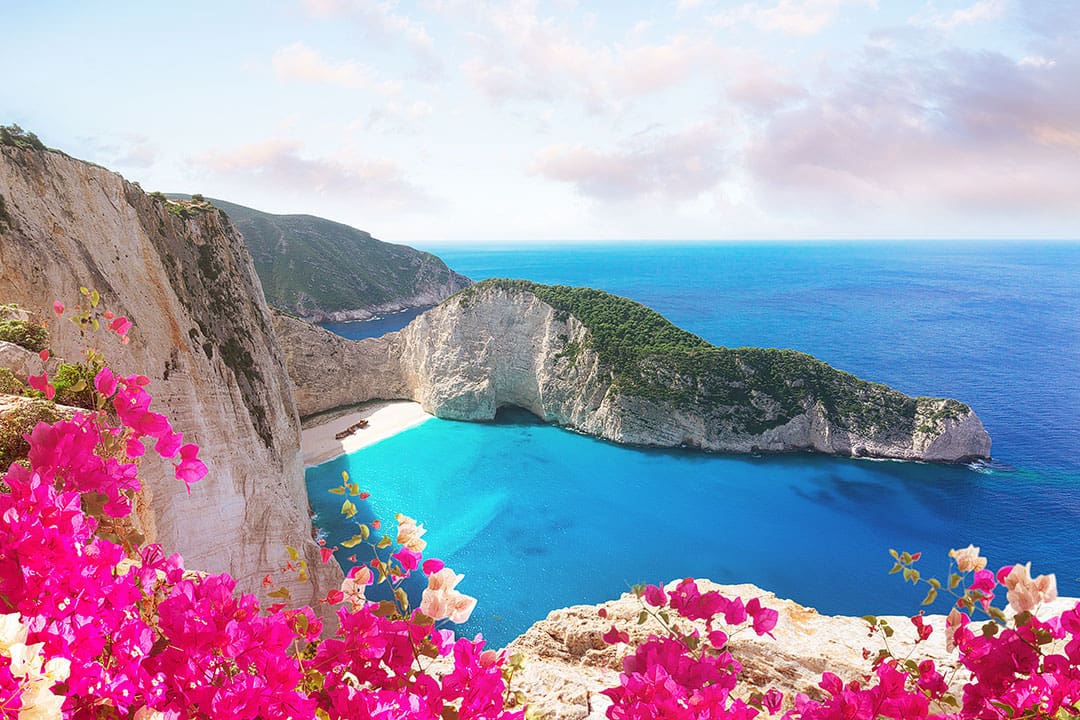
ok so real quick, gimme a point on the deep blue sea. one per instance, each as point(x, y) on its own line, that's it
point(539, 518)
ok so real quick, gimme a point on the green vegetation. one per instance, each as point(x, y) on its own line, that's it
point(74, 385)
point(651, 358)
point(20, 421)
point(15, 136)
point(188, 208)
point(32, 337)
point(9, 384)
point(5, 219)
point(310, 266)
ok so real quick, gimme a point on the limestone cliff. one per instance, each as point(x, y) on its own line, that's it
point(567, 663)
point(612, 368)
point(202, 333)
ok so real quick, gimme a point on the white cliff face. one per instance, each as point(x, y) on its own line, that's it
point(493, 347)
point(202, 334)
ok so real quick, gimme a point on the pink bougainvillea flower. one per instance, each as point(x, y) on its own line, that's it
point(326, 554)
point(105, 382)
point(614, 635)
point(763, 618)
point(433, 565)
point(409, 560)
point(190, 469)
point(120, 326)
point(44, 355)
point(58, 307)
point(655, 595)
point(41, 383)
point(109, 315)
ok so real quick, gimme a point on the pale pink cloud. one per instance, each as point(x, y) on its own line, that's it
point(957, 132)
point(676, 166)
point(788, 17)
point(282, 165)
point(300, 62)
point(981, 11)
point(381, 20)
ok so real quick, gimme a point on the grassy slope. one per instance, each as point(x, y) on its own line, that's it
point(326, 265)
point(652, 358)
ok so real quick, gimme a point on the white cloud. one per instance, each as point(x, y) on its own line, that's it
point(979, 12)
point(299, 62)
point(676, 166)
point(788, 17)
point(521, 55)
point(381, 20)
point(283, 166)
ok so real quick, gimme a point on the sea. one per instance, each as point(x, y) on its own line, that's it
point(537, 518)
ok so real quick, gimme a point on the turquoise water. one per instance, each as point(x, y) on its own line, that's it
point(539, 518)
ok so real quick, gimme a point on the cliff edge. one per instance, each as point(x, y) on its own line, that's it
point(612, 368)
point(202, 334)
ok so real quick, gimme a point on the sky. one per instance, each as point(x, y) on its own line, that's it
point(474, 121)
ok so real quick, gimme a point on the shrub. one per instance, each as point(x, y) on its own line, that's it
point(19, 422)
point(74, 385)
point(9, 384)
point(32, 337)
point(15, 136)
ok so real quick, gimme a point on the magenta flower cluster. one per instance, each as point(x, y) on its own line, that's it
point(91, 629)
point(1020, 667)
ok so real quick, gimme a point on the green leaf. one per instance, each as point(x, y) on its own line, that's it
point(402, 597)
point(352, 542)
point(294, 555)
point(78, 387)
point(896, 568)
point(365, 531)
point(934, 583)
point(1023, 618)
point(337, 490)
point(281, 593)
point(870, 620)
point(931, 596)
point(895, 555)
point(348, 509)
point(888, 631)
point(905, 557)
point(345, 476)
point(954, 580)
point(95, 298)
point(990, 629)
point(384, 542)
point(642, 617)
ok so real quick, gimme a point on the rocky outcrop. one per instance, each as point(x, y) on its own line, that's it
point(202, 334)
point(326, 271)
point(567, 663)
point(622, 373)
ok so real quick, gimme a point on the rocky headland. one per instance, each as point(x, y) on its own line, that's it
point(202, 334)
point(612, 368)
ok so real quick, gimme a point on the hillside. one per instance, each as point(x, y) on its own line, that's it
point(322, 270)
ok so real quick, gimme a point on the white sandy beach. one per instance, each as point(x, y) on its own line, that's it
point(385, 418)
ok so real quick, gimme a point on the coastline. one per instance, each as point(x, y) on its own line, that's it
point(386, 418)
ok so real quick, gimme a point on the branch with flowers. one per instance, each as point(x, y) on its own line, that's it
point(90, 628)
